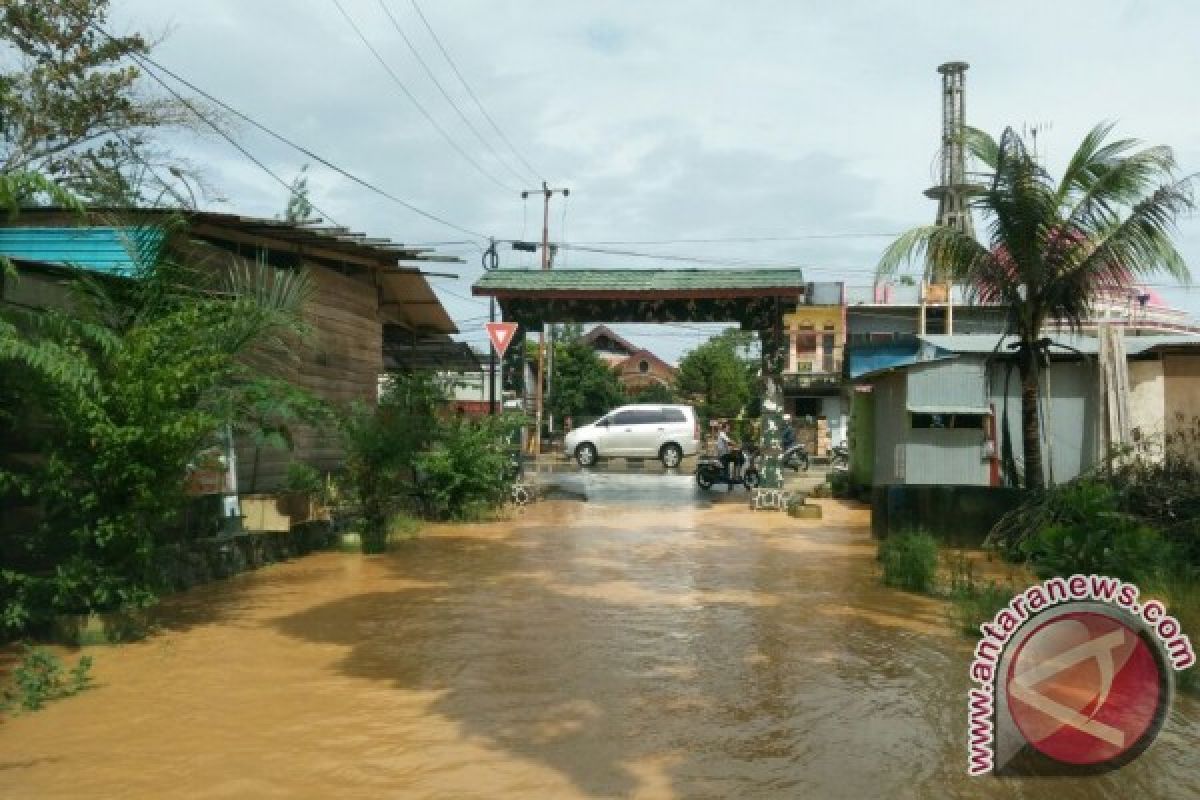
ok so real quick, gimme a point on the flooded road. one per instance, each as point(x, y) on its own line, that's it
point(653, 648)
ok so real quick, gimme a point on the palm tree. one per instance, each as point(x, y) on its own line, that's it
point(1051, 248)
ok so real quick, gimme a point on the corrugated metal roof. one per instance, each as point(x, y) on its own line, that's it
point(111, 250)
point(639, 280)
point(296, 234)
point(1090, 345)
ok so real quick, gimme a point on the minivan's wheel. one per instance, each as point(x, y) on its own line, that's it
point(585, 454)
point(751, 479)
point(671, 455)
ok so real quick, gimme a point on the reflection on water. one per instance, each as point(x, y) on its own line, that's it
point(596, 649)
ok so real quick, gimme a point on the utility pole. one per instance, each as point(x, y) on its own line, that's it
point(490, 262)
point(547, 193)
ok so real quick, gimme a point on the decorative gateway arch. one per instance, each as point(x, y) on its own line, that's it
point(755, 299)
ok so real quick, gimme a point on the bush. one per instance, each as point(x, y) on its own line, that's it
point(41, 677)
point(972, 602)
point(839, 483)
point(466, 472)
point(910, 560)
point(381, 445)
point(303, 477)
point(1090, 535)
point(403, 526)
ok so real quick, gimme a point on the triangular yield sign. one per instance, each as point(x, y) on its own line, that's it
point(501, 333)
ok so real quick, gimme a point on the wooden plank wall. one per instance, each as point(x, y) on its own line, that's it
point(340, 362)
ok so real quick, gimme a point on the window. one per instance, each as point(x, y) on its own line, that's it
point(948, 421)
point(673, 415)
point(640, 416)
point(806, 340)
point(643, 366)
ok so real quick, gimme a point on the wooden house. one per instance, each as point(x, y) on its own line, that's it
point(372, 309)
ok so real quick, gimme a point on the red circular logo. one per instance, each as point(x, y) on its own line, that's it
point(1084, 688)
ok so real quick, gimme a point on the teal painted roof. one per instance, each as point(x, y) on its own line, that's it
point(114, 251)
point(638, 280)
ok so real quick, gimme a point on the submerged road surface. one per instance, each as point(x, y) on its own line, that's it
point(643, 643)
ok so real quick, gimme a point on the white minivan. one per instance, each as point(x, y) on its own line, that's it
point(665, 432)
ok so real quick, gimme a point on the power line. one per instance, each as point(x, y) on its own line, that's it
point(413, 99)
point(291, 190)
point(417, 55)
point(470, 92)
point(743, 239)
point(299, 148)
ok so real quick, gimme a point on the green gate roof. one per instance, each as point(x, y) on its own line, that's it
point(677, 283)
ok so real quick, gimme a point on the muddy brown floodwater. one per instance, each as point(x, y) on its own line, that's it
point(581, 650)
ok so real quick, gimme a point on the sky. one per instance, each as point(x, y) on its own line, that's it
point(810, 127)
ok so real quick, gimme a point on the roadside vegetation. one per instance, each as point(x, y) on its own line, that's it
point(41, 678)
point(1137, 518)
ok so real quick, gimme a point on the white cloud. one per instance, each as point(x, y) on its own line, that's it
point(674, 119)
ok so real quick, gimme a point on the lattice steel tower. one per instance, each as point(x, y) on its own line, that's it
point(952, 190)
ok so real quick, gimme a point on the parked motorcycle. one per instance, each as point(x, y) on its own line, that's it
point(795, 457)
point(710, 471)
point(839, 457)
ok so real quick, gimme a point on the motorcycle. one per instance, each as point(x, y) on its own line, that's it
point(710, 471)
point(839, 457)
point(795, 457)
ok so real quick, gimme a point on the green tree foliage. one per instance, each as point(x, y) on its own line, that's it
point(269, 411)
point(583, 384)
point(718, 376)
point(120, 394)
point(72, 107)
point(1091, 536)
point(382, 445)
point(299, 209)
point(1050, 247)
point(654, 393)
point(465, 473)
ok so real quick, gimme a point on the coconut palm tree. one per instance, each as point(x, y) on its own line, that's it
point(1050, 248)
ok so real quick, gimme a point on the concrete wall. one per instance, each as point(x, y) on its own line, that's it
point(958, 515)
point(1147, 399)
point(1181, 375)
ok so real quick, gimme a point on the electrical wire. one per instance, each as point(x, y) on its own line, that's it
point(537, 174)
point(425, 66)
point(413, 99)
point(291, 190)
point(743, 239)
point(299, 148)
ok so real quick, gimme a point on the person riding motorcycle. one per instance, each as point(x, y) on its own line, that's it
point(724, 448)
point(789, 435)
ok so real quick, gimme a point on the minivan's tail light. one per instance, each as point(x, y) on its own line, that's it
point(696, 429)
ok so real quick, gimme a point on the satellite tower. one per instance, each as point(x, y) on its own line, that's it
point(937, 310)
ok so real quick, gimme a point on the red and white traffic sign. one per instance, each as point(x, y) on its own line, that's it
point(501, 334)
